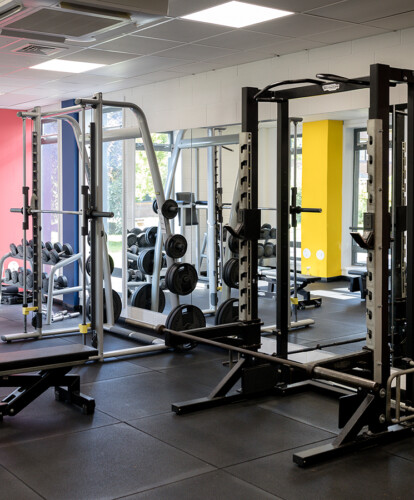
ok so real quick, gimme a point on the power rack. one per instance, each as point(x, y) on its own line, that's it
point(377, 404)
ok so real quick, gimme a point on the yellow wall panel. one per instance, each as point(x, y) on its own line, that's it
point(322, 188)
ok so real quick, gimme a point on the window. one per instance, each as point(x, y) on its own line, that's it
point(50, 181)
point(144, 187)
point(112, 118)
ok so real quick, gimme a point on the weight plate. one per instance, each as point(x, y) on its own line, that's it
point(88, 264)
point(62, 281)
point(175, 246)
point(67, 248)
point(7, 275)
point(136, 231)
point(117, 304)
point(48, 245)
point(134, 249)
point(13, 249)
point(266, 226)
point(146, 261)
point(15, 277)
point(58, 247)
point(169, 209)
point(260, 250)
point(155, 206)
point(227, 312)
point(182, 318)
point(273, 233)
point(142, 298)
point(233, 244)
point(231, 273)
point(151, 235)
point(141, 241)
point(264, 233)
point(181, 278)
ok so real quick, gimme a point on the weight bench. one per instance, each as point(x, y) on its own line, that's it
point(52, 365)
point(358, 282)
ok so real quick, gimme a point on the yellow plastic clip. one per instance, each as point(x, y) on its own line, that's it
point(84, 328)
point(26, 310)
point(294, 300)
point(219, 288)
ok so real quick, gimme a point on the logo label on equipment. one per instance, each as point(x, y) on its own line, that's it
point(330, 87)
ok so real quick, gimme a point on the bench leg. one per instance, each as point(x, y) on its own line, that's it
point(68, 390)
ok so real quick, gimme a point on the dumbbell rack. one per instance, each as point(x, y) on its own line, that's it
point(51, 293)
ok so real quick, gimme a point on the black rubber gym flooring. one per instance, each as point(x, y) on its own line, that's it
point(135, 447)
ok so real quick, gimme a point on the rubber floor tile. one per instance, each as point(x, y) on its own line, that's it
point(103, 463)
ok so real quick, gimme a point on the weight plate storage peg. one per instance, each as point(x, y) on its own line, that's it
point(227, 312)
point(175, 246)
point(182, 318)
point(142, 298)
point(181, 278)
point(231, 273)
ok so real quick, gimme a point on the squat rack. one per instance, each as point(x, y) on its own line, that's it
point(374, 400)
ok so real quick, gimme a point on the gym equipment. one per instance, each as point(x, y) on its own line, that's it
point(169, 209)
point(52, 364)
point(136, 231)
point(142, 298)
point(131, 239)
point(88, 264)
point(182, 318)
point(260, 250)
point(231, 273)
point(269, 249)
point(175, 246)
point(151, 235)
point(233, 244)
point(145, 261)
point(227, 312)
point(117, 305)
point(60, 251)
point(181, 278)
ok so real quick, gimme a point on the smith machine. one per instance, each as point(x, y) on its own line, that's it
point(376, 405)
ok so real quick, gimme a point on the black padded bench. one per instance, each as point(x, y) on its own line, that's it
point(52, 365)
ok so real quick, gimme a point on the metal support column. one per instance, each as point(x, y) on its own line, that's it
point(282, 241)
point(211, 225)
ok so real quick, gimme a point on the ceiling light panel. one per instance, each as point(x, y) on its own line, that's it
point(66, 66)
point(237, 14)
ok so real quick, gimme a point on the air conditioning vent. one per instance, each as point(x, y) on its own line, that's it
point(38, 50)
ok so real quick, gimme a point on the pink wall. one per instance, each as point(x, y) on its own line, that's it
point(11, 177)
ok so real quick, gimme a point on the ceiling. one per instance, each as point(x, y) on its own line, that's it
point(157, 45)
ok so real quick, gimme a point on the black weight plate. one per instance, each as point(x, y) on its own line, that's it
point(264, 233)
point(88, 265)
point(117, 304)
point(146, 261)
point(227, 312)
point(175, 246)
point(111, 263)
point(62, 281)
point(266, 226)
point(54, 257)
point(20, 250)
point(45, 255)
point(233, 244)
point(169, 209)
point(260, 250)
point(7, 275)
point(29, 252)
point(272, 233)
point(15, 277)
point(58, 247)
point(231, 273)
point(141, 240)
point(182, 318)
point(29, 281)
point(48, 245)
point(131, 239)
point(136, 231)
point(20, 278)
point(142, 298)
point(155, 206)
point(151, 235)
point(181, 278)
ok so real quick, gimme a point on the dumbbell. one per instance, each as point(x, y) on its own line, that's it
point(15, 275)
point(265, 231)
point(272, 233)
point(53, 256)
point(21, 279)
point(135, 230)
point(131, 239)
point(260, 250)
point(268, 249)
point(48, 245)
point(134, 249)
point(7, 275)
point(58, 282)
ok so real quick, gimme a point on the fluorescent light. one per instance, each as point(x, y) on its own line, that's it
point(66, 66)
point(237, 14)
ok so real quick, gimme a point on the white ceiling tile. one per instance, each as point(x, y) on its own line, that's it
point(241, 40)
point(299, 25)
point(7, 40)
point(38, 91)
point(37, 74)
point(367, 10)
point(398, 22)
point(345, 34)
point(137, 44)
point(13, 99)
point(238, 58)
point(195, 52)
point(137, 67)
point(290, 46)
point(197, 67)
point(87, 79)
point(19, 60)
point(183, 7)
point(98, 56)
point(180, 30)
point(161, 76)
